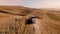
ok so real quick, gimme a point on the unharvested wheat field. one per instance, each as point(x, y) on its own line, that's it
point(13, 19)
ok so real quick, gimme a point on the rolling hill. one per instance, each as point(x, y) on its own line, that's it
point(13, 19)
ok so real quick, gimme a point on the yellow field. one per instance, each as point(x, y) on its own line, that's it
point(12, 20)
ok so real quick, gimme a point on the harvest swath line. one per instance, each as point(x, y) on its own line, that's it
point(12, 13)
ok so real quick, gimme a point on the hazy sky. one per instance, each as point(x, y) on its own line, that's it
point(33, 3)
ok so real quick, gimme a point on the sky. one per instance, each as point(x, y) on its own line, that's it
point(32, 3)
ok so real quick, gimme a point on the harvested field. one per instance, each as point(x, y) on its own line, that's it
point(13, 19)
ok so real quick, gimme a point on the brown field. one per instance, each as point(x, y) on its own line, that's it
point(12, 20)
